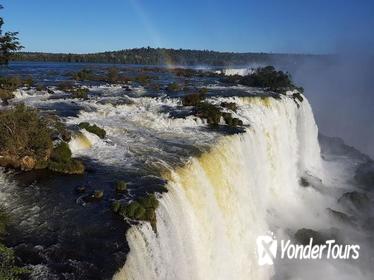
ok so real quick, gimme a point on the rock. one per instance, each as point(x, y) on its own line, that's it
point(121, 186)
point(303, 236)
point(80, 189)
point(359, 200)
point(303, 182)
point(98, 194)
point(27, 163)
point(116, 206)
point(340, 216)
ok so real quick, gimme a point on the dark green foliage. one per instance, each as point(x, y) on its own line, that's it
point(230, 105)
point(121, 186)
point(8, 43)
point(93, 129)
point(142, 209)
point(8, 268)
point(61, 161)
point(210, 112)
point(192, 99)
point(71, 167)
point(266, 77)
point(61, 153)
point(7, 86)
point(116, 206)
point(158, 56)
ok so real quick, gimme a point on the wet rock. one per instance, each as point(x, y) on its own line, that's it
point(98, 194)
point(303, 182)
point(359, 200)
point(80, 189)
point(121, 186)
point(341, 217)
point(304, 235)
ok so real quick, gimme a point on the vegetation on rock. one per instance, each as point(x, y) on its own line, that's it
point(142, 209)
point(267, 78)
point(61, 160)
point(93, 129)
point(25, 138)
point(121, 186)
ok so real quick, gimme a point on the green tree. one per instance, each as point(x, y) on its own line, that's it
point(9, 43)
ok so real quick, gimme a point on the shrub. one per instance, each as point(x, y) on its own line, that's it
point(23, 133)
point(93, 129)
point(83, 75)
point(192, 99)
point(142, 209)
point(62, 162)
point(61, 153)
point(7, 86)
point(79, 93)
point(172, 87)
point(266, 77)
point(66, 86)
point(230, 105)
point(113, 74)
point(209, 112)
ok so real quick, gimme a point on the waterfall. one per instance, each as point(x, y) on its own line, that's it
point(218, 203)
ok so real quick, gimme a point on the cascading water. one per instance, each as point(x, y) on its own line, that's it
point(219, 203)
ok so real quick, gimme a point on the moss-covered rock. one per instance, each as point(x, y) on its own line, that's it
point(93, 129)
point(142, 209)
point(98, 194)
point(192, 99)
point(62, 162)
point(208, 111)
point(121, 186)
point(230, 105)
point(80, 93)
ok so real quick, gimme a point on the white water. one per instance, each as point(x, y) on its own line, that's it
point(219, 203)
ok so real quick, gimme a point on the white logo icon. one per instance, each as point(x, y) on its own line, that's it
point(266, 249)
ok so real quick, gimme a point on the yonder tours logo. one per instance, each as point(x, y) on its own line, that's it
point(267, 249)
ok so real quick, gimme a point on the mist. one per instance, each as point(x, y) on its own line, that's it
point(341, 93)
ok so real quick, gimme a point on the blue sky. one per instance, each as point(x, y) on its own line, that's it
point(260, 26)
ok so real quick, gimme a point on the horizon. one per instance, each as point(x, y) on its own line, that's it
point(182, 49)
point(246, 27)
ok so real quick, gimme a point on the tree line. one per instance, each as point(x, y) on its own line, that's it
point(161, 56)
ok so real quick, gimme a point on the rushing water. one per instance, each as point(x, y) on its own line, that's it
point(224, 187)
